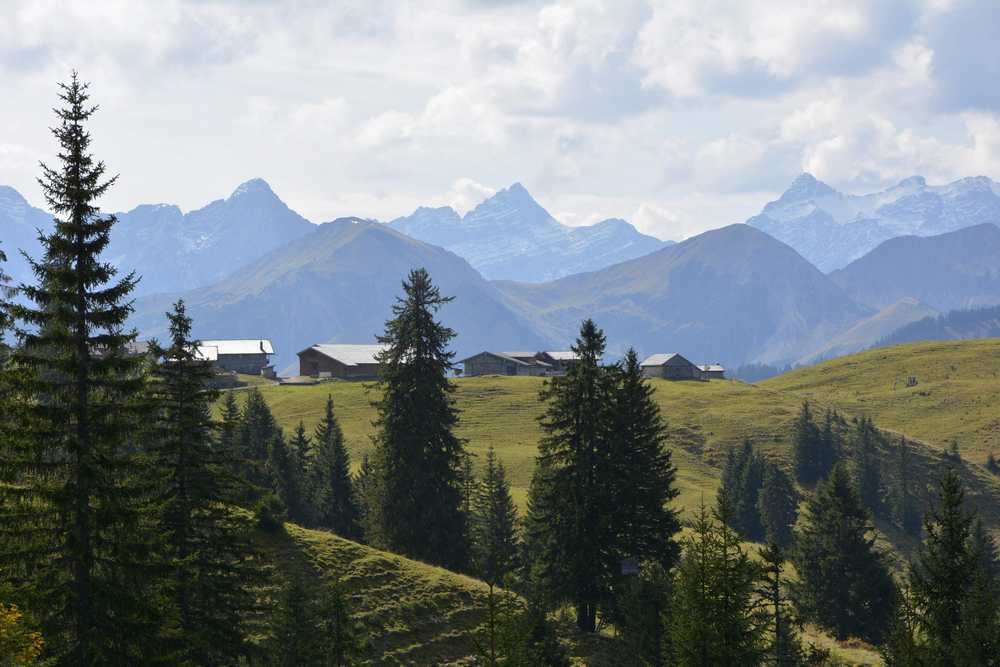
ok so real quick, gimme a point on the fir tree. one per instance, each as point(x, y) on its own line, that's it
point(335, 500)
point(315, 628)
point(6, 295)
point(977, 638)
point(943, 573)
point(418, 457)
point(865, 445)
point(287, 478)
point(75, 491)
point(640, 615)
point(903, 504)
point(785, 646)
point(742, 479)
point(643, 474)
point(806, 443)
point(493, 527)
point(570, 530)
point(211, 575)
point(778, 506)
point(367, 497)
point(901, 648)
point(258, 430)
point(985, 550)
point(845, 585)
point(229, 429)
point(302, 445)
point(715, 618)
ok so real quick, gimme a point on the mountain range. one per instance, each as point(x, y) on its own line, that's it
point(511, 237)
point(338, 284)
point(831, 229)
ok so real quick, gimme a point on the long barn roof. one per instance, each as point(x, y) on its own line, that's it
point(240, 346)
point(347, 354)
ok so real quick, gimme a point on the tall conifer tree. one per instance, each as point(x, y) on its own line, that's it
point(335, 500)
point(643, 474)
point(76, 531)
point(570, 527)
point(257, 432)
point(902, 502)
point(778, 506)
point(418, 457)
point(785, 646)
point(805, 443)
point(211, 573)
point(845, 585)
point(494, 524)
point(865, 445)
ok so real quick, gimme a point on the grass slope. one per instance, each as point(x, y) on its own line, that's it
point(957, 394)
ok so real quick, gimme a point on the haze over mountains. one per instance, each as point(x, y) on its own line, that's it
point(511, 237)
point(832, 229)
point(337, 284)
point(249, 266)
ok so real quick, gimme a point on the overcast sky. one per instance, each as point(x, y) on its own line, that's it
point(678, 115)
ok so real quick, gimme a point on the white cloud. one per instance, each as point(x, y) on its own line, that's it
point(466, 194)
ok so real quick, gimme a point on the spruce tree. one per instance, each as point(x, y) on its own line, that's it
point(570, 529)
point(494, 524)
point(209, 557)
point(302, 445)
point(942, 575)
point(742, 479)
point(805, 446)
point(785, 647)
point(74, 489)
point(778, 505)
point(6, 296)
point(845, 585)
point(715, 616)
point(901, 647)
point(315, 627)
point(865, 445)
point(367, 496)
point(258, 430)
point(643, 474)
point(334, 496)
point(287, 478)
point(418, 457)
point(229, 429)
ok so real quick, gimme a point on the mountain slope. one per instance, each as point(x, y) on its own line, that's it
point(511, 237)
point(871, 330)
point(960, 269)
point(831, 229)
point(19, 222)
point(337, 284)
point(733, 295)
point(174, 251)
point(956, 325)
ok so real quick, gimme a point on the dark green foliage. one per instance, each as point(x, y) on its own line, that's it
point(903, 504)
point(301, 445)
point(641, 613)
point(715, 615)
point(901, 648)
point(985, 550)
point(785, 647)
point(992, 465)
point(493, 524)
point(518, 633)
point(865, 444)
point(6, 294)
point(210, 570)
point(417, 457)
point(315, 628)
point(954, 593)
point(270, 513)
point(334, 498)
point(366, 493)
point(229, 429)
point(74, 491)
point(815, 448)
point(602, 482)
point(257, 432)
point(952, 452)
point(778, 505)
point(845, 585)
point(742, 479)
point(288, 479)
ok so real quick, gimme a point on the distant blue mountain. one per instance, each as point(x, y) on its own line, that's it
point(170, 250)
point(832, 229)
point(511, 237)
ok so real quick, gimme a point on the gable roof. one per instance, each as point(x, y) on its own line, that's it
point(711, 367)
point(240, 346)
point(563, 355)
point(348, 354)
point(662, 358)
point(513, 357)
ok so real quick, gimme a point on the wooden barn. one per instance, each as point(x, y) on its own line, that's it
point(247, 356)
point(348, 362)
point(712, 372)
point(558, 359)
point(670, 366)
point(506, 363)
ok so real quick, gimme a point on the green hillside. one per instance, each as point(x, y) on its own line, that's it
point(957, 394)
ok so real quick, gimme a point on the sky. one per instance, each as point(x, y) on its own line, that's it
point(677, 115)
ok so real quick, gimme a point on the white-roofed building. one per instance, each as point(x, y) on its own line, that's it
point(669, 366)
point(250, 356)
point(338, 360)
point(712, 372)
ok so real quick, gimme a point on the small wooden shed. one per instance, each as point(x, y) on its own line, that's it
point(670, 366)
